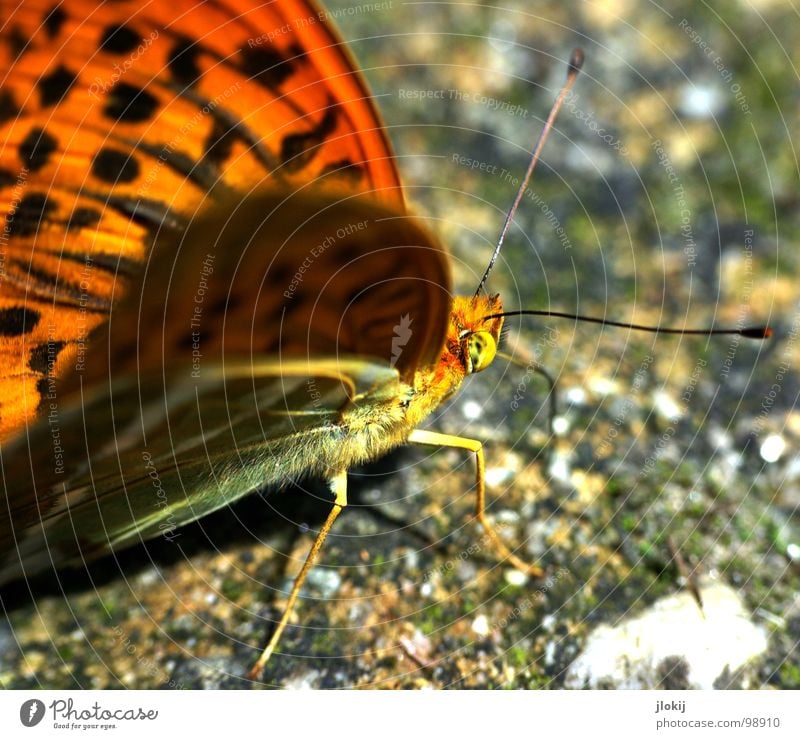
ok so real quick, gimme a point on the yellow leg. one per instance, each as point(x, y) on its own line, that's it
point(432, 438)
point(339, 487)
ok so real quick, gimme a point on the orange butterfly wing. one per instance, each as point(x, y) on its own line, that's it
point(117, 123)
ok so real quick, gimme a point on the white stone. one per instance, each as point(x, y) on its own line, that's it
point(515, 577)
point(603, 386)
point(548, 623)
point(495, 477)
point(559, 468)
point(560, 425)
point(576, 395)
point(326, 580)
point(550, 653)
point(481, 626)
point(700, 102)
point(472, 410)
point(629, 655)
point(772, 448)
point(666, 407)
point(306, 681)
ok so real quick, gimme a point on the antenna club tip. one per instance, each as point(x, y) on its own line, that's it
point(758, 332)
point(576, 60)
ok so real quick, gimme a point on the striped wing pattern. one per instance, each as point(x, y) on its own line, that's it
point(120, 119)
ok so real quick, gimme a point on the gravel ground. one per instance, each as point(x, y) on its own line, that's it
point(667, 195)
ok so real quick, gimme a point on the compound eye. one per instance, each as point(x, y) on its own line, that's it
point(481, 349)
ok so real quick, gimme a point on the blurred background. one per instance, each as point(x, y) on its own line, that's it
point(663, 509)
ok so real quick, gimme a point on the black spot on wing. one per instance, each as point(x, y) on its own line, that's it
point(31, 210)
point(112, 264)
point(152, 214)
point(182, 61)
point(44, 277)
point(297, 302)
point(219, 144)
point(348, 252)
point(53, 21)
point(227, 120)
point(201, 173)
point(183, 164)
point(8, 106)
point(119, 39)
point(59, 290)
point(280, 274)
point(36, 149)
point(130, 104)
point(298, 149)
point(18, 321)
point(7, 179)
point(44, 356)
point(272, 345)
point(54, 86)
point(188, 339)
point(18, 42)
point(346, 170)
point(265, 66)
point(43, 386)
point(83, 218)
point(225, 304)
point(126, 352)
point(114, 166)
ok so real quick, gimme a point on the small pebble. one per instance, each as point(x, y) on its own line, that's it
point(481, 626)
point(772, 448)
point(666, 407)
point(603, 386)
point(503, 35)
point(515, 577)
point(698, 101)
point(560, 425)
point(307, 681)
point(559, 468)
point(498, 476)
point(576, 396)
point(550, 653)
point(472, 410)
point(326, 580)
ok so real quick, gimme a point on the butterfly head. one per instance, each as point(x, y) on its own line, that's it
point(471, 345)
point(472, 339)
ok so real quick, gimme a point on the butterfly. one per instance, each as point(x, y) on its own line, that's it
point(211, 283)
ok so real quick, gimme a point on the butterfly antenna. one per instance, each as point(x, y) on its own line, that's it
point(750, 332)
point(575, 64)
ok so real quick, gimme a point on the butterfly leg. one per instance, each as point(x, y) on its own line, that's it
point(432, 438)
point(338, 485)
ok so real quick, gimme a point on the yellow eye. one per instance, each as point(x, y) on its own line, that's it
point(481, 348)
